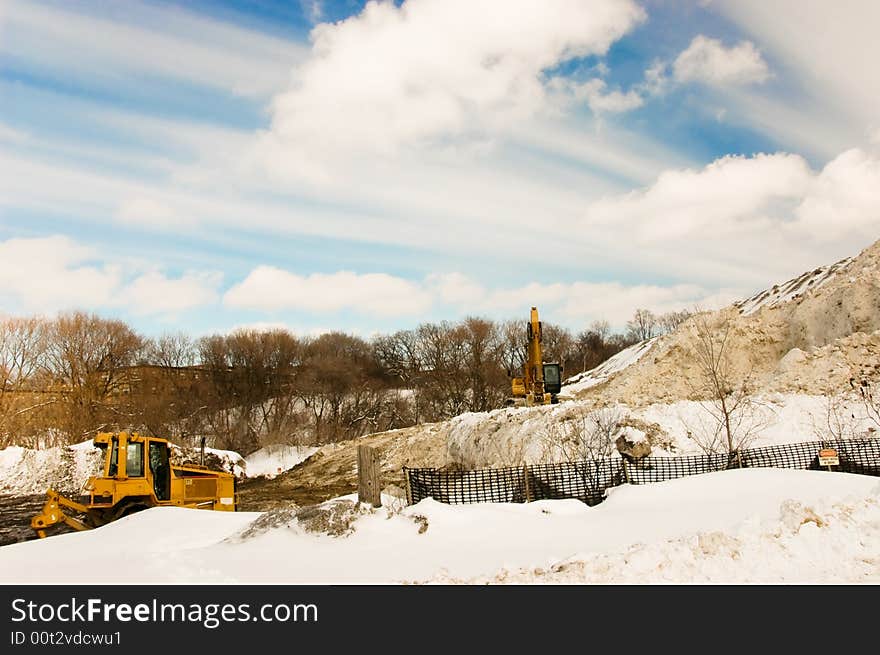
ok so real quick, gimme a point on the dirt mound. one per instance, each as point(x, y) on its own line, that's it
point(332, 471)
point(809, 339)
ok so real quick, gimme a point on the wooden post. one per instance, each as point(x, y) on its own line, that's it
point(528, 487)
point(369, 486)
point(625, 470)
point(408, 486)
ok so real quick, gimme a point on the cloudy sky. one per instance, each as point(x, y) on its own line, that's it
point(330, 164)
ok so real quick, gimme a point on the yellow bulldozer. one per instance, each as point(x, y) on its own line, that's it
point(137, 474)
point(540, 382)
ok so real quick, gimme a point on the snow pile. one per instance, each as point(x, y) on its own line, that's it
point(832, 331)
point(604, 371)
point(791, 290)
point(63, 468)
point(66, 469)
point(275, 459)
point(539, 434)
point(734, 526)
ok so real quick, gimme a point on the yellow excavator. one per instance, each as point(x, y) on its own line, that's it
point(137, 474)
point(540, 382)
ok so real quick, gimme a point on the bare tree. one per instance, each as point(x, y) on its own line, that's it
point(670, 321)
point(865, 384)
point(734, 419)
point(585, 437)
point(90, 357)
point(837, 421)
point(642, 326)
point(22, 348)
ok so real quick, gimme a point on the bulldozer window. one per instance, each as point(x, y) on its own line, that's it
point(134, 461)
point(160, 468)
point(114, 459)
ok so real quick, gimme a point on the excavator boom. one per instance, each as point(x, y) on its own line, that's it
point(540, 382)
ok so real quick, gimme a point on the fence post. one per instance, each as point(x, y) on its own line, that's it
point(407, 487)
point(528, 486)
point(369, 488)
point(625, 470)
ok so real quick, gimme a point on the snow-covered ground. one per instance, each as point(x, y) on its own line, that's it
point(759, 525)
point(606, 369)
point(537, 434)
point(276, 458)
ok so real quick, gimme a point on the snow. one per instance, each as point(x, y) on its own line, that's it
point(532, 434)
point(276, 458)
point(32, 471)
point(67, 468)
point(782, 293)
point(606, 369)
point(751, 525)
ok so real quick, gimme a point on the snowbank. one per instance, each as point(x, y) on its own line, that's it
point(758, 525)
point(534, 435)
point(31, 471)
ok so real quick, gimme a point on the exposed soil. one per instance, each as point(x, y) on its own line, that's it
point(15, 517)
point(332, 471)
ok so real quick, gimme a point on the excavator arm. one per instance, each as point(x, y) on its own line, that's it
point(53, 513)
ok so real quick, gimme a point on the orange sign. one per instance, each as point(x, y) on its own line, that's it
point(828, 457)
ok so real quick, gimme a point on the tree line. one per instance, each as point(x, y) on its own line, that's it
point(66, 378)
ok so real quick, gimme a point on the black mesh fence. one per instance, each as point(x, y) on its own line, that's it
point(588, 480)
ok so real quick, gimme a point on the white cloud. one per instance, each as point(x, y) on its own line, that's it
point(430, 70)
point(154, 293)
point(729, 195)
point(52, 273)
point(708, 60)
point(55, 273)
point(576, 304)
point(271, 289)
point(456, 288)
point(744, 220)
point(313, 9)
point(12, 135)
point(140, 38)
point(843, 201)
point(144, 210)
point(830, 48)
point(594, 93)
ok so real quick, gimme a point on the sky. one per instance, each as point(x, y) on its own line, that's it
point(367, 167)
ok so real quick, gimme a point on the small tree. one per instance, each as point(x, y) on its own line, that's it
point(836, 421)
point(586, 438)
point(865, 385)
point(733, 419)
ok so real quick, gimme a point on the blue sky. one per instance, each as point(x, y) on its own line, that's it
point(320, 165)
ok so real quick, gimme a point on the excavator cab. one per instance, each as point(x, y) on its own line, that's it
point(552, 378)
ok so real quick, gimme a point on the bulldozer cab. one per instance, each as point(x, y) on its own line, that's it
point(137, 474)
point(154, 464)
